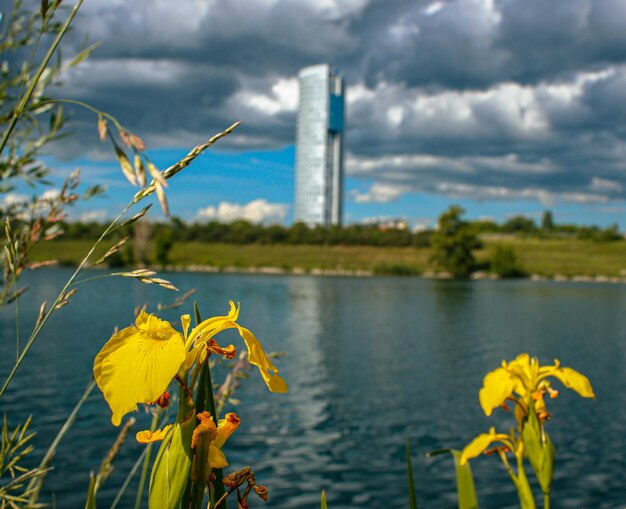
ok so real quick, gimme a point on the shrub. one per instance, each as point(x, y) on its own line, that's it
point(504, 262)
point(453, 243)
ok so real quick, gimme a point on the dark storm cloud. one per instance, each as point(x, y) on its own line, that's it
point(478, 98)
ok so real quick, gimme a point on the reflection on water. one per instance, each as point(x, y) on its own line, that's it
point(370, 362)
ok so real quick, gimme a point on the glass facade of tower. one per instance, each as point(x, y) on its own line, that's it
point(319, 147)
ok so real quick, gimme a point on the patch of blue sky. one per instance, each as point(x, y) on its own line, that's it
point(241, 177)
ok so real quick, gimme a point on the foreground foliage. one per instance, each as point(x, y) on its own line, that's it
point(524, 383)
point(151, 354)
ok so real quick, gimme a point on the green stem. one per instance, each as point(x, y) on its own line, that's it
point(526, 497)
point(87, 106)
point(17, 320)
point(146, 463)
point(546, 501)
point(21, 106)
point(184, 387)
point(409, 470)
point(91, 279)
point(505, 460)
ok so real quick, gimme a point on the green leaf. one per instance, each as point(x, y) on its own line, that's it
point(83, 55)
point(409, 470)
point(91, 493)
point(464, 479)
point(540, 451)
point(524, 492)
point(171, 467)
point(44, 9)
point(57, 119)
point(323, 501)
point(133, 219)
point(464, 483)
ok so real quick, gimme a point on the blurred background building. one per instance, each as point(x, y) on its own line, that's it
point(319, 147)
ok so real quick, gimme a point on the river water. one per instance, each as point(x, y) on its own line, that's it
point(370, 363)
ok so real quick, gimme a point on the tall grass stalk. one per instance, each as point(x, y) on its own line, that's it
point(23, 102)
point(140, 195)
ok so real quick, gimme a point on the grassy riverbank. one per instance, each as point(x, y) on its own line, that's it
point(537, 256)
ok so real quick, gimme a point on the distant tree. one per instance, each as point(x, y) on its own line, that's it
point(485, 226)
point(423, 238)
point(274, 234)
point(504, 262)
point(163, 244)
point(453, 243)
point(611, 233)
point(547, 221)
point(519, 224)
point(299, 233)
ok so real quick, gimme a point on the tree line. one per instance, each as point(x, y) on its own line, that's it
point(244, 232)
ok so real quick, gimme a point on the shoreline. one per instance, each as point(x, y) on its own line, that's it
point(298, 271)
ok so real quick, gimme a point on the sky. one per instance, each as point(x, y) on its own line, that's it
point(502, 106)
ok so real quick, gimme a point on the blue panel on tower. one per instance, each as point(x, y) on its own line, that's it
point(335, 119)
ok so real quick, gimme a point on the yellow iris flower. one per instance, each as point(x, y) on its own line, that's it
point(525, 377)
point(139, 362)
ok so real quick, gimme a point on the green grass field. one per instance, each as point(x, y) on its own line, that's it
point(537, 256)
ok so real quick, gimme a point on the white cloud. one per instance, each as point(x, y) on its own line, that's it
point(601, 185)
point(256, 211)
point(336, 9)
point(433, 8)
point(509, 163)
point(13, 199)
point(136, 71)
point(50, 194)
point(546, 198)
point(283, 97)
point(380, 193)
point(92, 216)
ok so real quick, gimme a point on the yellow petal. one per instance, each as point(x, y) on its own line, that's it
point(145, 437)
point(185, 321)
point(525, 369)
point(142, 319)
point(522, 360)
point(217, 458)
point(574, 380)
point(226, 428)
point(476, 447)
point(257, 357)
point(497, 386)
point(192, 355)
point(205, 432)
point(137, 364)
point(210, 327)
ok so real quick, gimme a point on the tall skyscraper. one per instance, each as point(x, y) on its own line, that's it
point(319, 147)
